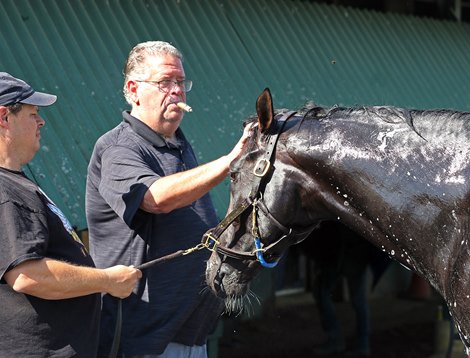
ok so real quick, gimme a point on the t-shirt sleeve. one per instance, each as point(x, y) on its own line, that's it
point(23, 235)
point(125, 178)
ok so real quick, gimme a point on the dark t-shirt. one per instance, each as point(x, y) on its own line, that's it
point(170, 303)
point(34, 228)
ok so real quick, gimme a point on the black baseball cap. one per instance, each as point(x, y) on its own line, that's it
point(13, 90)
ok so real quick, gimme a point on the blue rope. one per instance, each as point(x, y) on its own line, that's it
point(259, 255)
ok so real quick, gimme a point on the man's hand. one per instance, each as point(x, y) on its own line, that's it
point(122, 280)
point(240, 146)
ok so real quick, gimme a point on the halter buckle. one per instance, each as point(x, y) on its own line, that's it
point(262, 167)
point(210, 242)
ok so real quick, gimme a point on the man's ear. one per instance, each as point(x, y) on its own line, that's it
point(3, 116)
point(132, 90)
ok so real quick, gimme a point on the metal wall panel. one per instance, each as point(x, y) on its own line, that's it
point(233, 49)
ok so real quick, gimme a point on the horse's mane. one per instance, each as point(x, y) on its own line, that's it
point(390, 114)
point(433, 122)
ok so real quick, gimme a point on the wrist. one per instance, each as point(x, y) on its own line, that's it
point(225, 163)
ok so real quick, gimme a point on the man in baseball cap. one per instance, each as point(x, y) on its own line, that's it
point(13, 90)
point(48, 281)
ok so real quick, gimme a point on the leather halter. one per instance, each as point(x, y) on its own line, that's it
point(210, 239)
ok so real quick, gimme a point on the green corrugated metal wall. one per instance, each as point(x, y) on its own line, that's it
point(233, 49)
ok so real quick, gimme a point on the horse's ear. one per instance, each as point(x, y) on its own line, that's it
point(265, 110)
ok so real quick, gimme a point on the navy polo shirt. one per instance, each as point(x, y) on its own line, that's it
point(169, 303)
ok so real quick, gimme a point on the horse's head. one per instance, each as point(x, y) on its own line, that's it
point(254, 233)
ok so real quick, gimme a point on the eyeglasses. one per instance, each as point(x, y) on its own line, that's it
point(166, 86)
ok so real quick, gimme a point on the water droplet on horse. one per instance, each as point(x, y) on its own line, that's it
point(392, 252)
point(346, 203)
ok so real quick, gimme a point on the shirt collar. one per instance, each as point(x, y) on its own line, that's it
point(149, 134)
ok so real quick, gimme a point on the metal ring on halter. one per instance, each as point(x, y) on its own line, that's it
point(209, 239)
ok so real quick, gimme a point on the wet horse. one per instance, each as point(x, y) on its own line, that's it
point(398, 177)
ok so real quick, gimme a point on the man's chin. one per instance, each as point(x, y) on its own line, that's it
point(173, 118)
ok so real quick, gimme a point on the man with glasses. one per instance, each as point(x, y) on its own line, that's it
point(147, 197)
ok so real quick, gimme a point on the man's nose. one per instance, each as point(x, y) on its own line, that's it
point(176, 88)
point(41, 122)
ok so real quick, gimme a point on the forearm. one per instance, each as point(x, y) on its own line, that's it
point(52, 279)
point(181, 189)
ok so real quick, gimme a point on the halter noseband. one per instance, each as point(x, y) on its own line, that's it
point(210, 239)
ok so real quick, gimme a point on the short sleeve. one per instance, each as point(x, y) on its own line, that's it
point(23, 235)
point(125, 178)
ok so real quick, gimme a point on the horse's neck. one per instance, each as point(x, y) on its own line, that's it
point(395, 188)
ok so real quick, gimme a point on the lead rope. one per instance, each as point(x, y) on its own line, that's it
point(117, 331)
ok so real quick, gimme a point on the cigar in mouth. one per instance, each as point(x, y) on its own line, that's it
point(184, 107)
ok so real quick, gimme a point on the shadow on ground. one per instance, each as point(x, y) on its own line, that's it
point(401, 328)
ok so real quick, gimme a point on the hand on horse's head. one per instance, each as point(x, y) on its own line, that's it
point(240, 146)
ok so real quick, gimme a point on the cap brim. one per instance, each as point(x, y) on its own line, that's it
point(40, 99)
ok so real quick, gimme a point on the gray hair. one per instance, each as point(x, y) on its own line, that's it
point(135, 66)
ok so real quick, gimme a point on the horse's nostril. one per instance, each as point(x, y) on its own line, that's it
point(221, 274)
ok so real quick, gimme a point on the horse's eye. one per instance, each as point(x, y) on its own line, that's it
point(233, 176)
